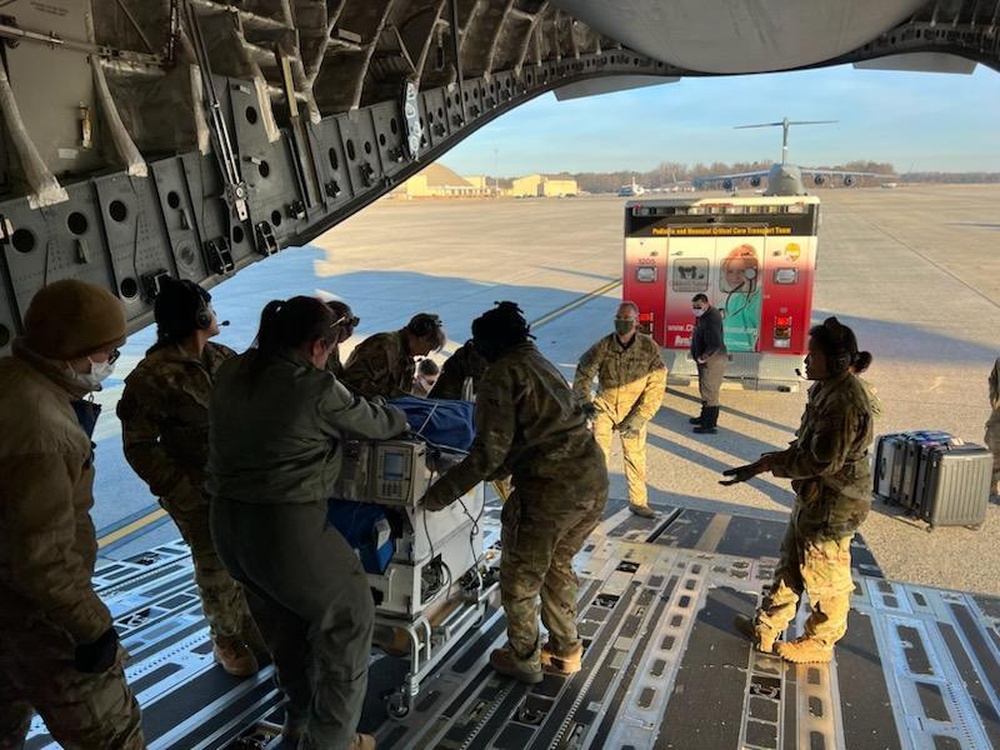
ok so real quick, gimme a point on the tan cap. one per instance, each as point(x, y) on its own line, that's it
point(69, 319)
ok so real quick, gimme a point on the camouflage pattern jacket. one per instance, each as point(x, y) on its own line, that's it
point(164, 416)
point(828, 460)
point(48, 545)
point(277, 426)
point(631, 380)
point(464, 363)
point(381, 365)
point(530, 425)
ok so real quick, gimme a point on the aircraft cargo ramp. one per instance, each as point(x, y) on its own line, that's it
point(663, 667)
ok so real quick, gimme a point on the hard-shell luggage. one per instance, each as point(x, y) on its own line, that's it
point(956, 487)
point(917, 444)
point(887, 475)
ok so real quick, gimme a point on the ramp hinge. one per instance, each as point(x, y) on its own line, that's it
point(266, 242)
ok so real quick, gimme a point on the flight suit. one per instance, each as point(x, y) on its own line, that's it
point(631, 384)
point(530, 425)
point(164, 416)
point(274, 455)
point(381, 365)
point(992, 436)
point(828, 466)
point(48, 549)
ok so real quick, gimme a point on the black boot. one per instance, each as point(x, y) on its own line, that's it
point(711, 418)
point(701, 417)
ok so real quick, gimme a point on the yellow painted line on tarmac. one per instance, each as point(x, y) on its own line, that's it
point(559, 311)
point(131, 528)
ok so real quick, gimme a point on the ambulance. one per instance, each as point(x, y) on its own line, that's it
point(755, 260)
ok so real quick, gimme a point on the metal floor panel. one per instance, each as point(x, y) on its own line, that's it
point(663, 668)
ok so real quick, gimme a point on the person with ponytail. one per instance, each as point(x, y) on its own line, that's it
point(529, 424)
point(828, 465)
point(278, 420)
point(164, 417)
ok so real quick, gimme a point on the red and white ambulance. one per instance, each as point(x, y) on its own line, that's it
point(755, 260)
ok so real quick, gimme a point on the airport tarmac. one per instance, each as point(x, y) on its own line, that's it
point(915, 271)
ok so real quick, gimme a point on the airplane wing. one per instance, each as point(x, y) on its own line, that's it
point(819, 176)
point(727, 180)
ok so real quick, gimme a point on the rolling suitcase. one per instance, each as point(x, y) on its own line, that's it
point(956, 487)
point(917, 443)
point(887, 476)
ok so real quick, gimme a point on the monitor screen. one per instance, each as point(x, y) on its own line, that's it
point(393, 466)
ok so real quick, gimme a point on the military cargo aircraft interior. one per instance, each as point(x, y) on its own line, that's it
point(147, 141)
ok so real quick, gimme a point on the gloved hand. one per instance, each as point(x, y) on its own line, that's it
point(589, 410)
point(747, 472)
point(98, 656)
point(435, 499)
point(631, 427)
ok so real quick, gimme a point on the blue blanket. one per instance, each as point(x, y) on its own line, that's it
point(441, 422)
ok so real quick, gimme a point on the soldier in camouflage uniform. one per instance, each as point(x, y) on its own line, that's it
point(164, 416)
point(828, 465)
point(992, 436)
point(383, 365)
point(460, 374)
point(347, 321)
point(59, 652)
point(631, 382)
point(530, 425)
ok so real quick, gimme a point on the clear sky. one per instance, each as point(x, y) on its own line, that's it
point(917, 121)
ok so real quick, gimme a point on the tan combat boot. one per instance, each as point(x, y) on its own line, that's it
point(805, 651)
point(363, 742)
point(762, 638)
point(566, 664)
point(235, 657)
point(506, 662)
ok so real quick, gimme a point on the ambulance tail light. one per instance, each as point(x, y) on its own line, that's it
point(783, 332)
point(646, 323)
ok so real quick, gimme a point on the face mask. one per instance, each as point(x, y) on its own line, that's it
point(622, 327)
point(99, 371)
point(699, 311)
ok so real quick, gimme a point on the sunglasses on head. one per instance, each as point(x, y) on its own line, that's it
point(350, 321)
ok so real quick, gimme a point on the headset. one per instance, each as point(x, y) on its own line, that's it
point(203, 315)
point(842, 341)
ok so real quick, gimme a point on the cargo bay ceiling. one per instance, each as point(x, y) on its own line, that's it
point(143, 138)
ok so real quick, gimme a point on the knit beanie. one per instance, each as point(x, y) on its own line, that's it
point(69, 319)
point(176, 308)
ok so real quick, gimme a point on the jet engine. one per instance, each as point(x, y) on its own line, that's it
point(727, 184)
point(755, 181)
point(848, 180)
point(819, 179)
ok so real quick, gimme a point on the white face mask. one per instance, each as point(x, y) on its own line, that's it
point(99, 372)
point(698, 311)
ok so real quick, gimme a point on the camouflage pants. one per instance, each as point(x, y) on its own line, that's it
point(81, 711)
point(537, 560)
point(992, 439)
point(222, 598)
point(633, 456)
point(821, 568)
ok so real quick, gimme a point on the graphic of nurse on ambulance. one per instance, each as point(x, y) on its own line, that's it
point(740, 282)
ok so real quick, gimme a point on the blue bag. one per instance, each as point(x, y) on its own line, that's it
point(440, 422)
point(366, 528)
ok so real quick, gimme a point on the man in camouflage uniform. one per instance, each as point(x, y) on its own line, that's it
point(530, 425)
point(631, 382)
point(164, 416)
point(992, 436)
point(347, 321)
point(460, 374)
point(383, 365)
point(828, 465)
point(59, 652)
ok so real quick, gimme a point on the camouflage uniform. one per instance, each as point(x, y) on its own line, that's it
point(631, 383)
point(992, 436)
point(333, 363)
point(464, 365)
point(381, 365)
point(529, 424)
point(274, 456)
point(48, 548)
point(828, 465)
point(164, 416)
